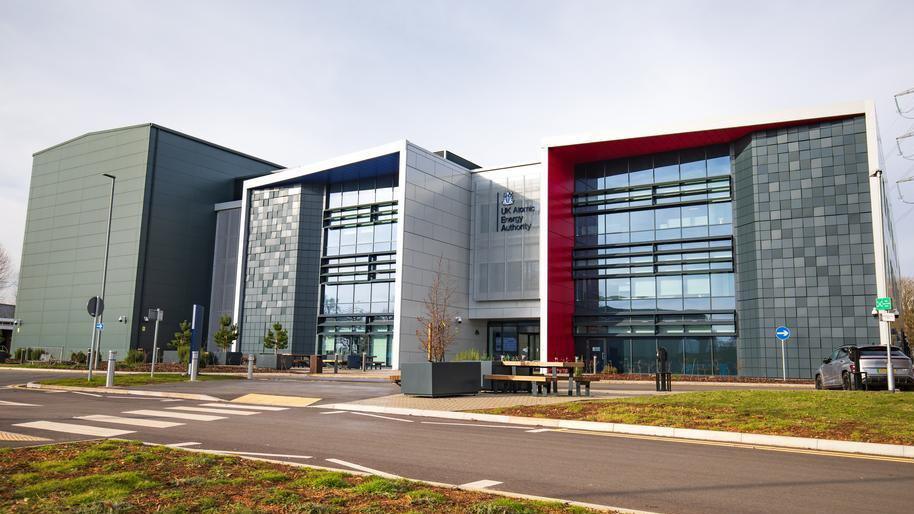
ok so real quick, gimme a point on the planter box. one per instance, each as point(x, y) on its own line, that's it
point(437, 379)
point(232, 358)
point(354, 361)
point(170, 357)
point(265, 360)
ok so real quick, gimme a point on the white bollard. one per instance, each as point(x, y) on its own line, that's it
point(112, 359)
point(194, 356)
point(250, 366)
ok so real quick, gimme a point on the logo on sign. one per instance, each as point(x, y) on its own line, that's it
point(507, 198)
point(513, 217)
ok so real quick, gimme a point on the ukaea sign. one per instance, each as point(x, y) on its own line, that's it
point(512, 218)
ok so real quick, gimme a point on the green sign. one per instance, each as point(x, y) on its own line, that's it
point(883, 303)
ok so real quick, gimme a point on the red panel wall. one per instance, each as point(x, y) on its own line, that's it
point(560, 241)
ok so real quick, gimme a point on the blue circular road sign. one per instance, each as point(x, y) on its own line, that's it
point(782, 333)
point(100, 326)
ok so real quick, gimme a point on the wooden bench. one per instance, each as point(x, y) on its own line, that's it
point(394, 378)
point(505, 380)
point(586, 380)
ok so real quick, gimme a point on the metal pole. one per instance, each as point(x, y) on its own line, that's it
point(890, 369)
point(193, 365)
point(250, 366)
point(155, 341)
point(100, 317)
point(109, 378)
point(89, 357)
point(783, 361)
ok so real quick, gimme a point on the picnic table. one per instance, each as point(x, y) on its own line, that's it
point(551, 377)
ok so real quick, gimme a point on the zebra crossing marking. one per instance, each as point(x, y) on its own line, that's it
point(69, 428)
point(214, 411)
point(173, 414)
point(139, 422)
point(245, 407)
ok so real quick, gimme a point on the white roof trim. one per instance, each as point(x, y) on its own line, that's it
point(834, 110)
point(335, 162)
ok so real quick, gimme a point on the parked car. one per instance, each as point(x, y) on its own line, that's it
point(836, 372)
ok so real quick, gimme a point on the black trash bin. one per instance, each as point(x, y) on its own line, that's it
point(354, 361)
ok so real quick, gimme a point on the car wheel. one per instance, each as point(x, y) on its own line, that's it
point(845, 381)
point(819, 382)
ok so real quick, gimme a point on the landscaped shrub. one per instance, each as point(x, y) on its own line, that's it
point(135, 357)
point(470, 355)
point(35, 353)
point(78, 357)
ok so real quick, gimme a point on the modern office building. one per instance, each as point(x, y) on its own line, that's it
point(162, 234)
point(700, 239)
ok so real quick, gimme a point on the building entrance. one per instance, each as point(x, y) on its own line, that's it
point(516, 339)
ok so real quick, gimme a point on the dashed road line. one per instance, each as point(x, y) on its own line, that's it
point(182, 445)
point(255, 454)
point(85, 394)
point(480, 484)
point(334, 412)
point(363, 468)
point(139, 422)
point(18, 404)
point(173, 414)
point(70, 428)
point(383, 417)
point(538, 430)
point(244, 407)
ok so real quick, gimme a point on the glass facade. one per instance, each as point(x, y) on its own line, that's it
point(357, 268)
point(514, 339)
point(653, 262)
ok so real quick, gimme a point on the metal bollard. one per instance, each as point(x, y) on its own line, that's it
point(194, 356)
point(250, 366)
point(112, 359)
point(336, 358)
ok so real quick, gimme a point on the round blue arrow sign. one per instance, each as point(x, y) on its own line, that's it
point(782, 333)
point(100, 326)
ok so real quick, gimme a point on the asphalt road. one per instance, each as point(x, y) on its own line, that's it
point(629, 472)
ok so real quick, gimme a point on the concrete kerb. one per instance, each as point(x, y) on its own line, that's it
point(494, 492)
point(129, 392)
point(803, 443)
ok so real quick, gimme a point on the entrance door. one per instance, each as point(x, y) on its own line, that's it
point(529, 346)
point(596, 347)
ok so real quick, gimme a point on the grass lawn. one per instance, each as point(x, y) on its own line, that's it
point(98, 379)
point(117, 476)
point(874, 417)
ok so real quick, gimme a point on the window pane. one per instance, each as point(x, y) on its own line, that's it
point(720, 213)
point(669, 287)
point(614, 222)
point(697, 285)
point(642, 220)
point(641, 171)
point(694, 215)
point(693, 164)
point(666, 167)
point(615, 288)
point(722, 284)
point(643, 287)
point(616, 174)
point(667, 218)
point(718, 160)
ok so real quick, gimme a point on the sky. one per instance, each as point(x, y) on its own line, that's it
point(298, 82)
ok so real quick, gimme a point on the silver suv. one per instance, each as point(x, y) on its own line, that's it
point(836, 372)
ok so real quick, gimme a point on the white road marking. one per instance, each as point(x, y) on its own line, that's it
point(480, 484)
point(538, 430)
point(173, 400)
point(74, 429)
point(18, 404)
point(255, 454)
point(140, 422)
point(362, 468)
point(182, 445)
point(244, 407)
point(214, 411)
point(173, 414)
point(334, 412)
point(382, 417)
point(86, 394)
point(470, 425)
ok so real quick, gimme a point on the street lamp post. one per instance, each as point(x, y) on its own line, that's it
point(100, 319)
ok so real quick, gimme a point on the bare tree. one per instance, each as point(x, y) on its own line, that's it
point(906, 284)
point(437, 328)
point(7, 273)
